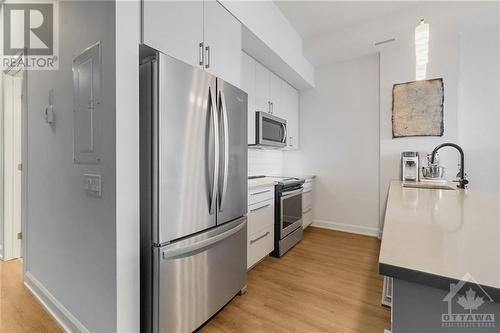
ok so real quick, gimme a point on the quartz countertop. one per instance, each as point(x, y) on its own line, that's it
point(436, 237)
point(261, 182)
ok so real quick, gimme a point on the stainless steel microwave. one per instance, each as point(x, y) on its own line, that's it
point(270, 131)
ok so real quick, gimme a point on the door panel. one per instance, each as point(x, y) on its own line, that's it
point(185, 149)
point(196, 277)
point(248, 85)
point(262, 99)
point(233, 187)
point(222, 34)
point(174, 28)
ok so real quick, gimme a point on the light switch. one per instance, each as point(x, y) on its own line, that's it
point(92, 184)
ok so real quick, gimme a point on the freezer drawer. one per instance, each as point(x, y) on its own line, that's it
point(197, 276)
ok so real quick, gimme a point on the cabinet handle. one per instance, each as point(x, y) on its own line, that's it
point(307, 211)
point(261, 192)
point(269, 107)
point(207, 56)
point(262, 207)
point(259, 238)
point(201, 53)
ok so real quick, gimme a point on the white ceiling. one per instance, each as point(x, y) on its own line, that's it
point(311, 18)
point(339, 30)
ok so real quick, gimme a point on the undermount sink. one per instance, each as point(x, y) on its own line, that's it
point(431, 186)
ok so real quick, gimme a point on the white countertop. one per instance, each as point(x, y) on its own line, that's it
point(447, 233)
point(262, 182)
point(270, 181)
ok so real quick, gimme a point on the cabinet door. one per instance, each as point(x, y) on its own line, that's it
point(262, 76)
point(275, 88)
point(174, 28)
point(290, 110)
point(248, 85)
point(222, 35)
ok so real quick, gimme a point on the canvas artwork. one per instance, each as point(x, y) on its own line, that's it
point(417, 108)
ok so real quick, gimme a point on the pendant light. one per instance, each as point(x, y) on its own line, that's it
point(421, 50)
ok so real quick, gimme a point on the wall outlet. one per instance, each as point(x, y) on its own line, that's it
point(92, 184)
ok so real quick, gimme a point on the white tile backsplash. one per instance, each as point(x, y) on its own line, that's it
point(265, 162)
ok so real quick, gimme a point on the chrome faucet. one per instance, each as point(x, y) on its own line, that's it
point(463, 180)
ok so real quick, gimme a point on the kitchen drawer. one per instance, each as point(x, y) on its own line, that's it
point(307, 199)
point(260, 216)
point(260, 194)
point(307, 218)
point(259, 245)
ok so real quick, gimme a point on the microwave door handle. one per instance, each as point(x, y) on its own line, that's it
point(215, 175)
point(225, 167)
point(285, 133)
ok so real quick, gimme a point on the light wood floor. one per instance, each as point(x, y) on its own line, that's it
point(19, 310)
point(329, 282)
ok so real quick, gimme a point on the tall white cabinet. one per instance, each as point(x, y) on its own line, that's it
point(200, 33)
point(267, 92)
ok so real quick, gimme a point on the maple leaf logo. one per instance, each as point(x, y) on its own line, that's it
point(470, 301)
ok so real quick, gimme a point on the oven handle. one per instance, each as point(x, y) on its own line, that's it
point(291, 193)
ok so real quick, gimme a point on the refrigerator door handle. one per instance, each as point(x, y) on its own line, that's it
point(184, 251)
point(225, 168)
point(215, 122)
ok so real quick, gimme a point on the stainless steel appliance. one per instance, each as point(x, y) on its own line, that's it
point(288, 215)
point(270, 131)
point(193, 130)
point(410, 166)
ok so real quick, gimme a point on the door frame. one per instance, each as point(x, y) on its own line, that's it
point(24, 155)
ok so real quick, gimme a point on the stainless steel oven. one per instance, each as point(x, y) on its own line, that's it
point(270, 131)
point(288, 215)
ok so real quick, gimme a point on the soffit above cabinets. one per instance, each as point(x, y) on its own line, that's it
point(255, 47)
point(272, 40)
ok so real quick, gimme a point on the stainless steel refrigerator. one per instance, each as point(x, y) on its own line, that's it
point(193, 193)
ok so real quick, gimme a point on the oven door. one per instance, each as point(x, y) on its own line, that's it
point(291, 212)
point(270, 130)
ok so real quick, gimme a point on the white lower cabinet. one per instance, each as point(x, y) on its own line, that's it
point(307, 203)
point(260, 231)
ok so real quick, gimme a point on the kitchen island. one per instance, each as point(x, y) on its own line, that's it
point(442, 249)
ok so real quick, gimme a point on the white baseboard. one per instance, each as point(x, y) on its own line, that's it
point(354, 229)
point(62, 315)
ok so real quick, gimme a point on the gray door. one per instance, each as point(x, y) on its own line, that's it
point(187, 150)
point(233, 117)
point(197, 276)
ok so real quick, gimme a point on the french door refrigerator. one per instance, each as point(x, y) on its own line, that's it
point(193, 193)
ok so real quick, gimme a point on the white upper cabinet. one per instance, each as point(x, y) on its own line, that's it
point(200, 33)
point(248, 65)
point(222, 36)
point(266, 90)
point(262, 77)
point(290, 109)
point(174, 28)
point(275, 86)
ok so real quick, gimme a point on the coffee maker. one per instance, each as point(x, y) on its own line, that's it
point(410, 171)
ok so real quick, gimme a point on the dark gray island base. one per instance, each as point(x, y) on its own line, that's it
point(420, 305)
point(418, 308)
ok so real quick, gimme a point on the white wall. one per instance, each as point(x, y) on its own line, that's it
point(71, 237)
point(397, 65)
point(479, 107)
point(339, 140)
